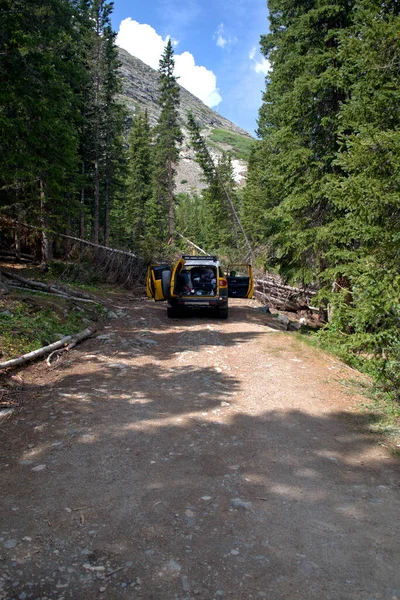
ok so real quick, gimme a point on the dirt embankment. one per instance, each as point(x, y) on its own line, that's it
point(195, 458)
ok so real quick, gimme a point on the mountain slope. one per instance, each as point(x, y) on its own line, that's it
point(140, 91)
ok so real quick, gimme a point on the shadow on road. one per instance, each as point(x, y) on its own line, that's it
point(180, 487)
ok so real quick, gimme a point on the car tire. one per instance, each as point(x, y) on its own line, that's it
point(172, 312)
point(222, 313)
point(166, 283)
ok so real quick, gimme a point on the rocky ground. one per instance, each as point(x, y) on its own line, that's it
point(195, 458)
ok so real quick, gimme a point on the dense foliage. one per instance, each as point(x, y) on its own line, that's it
point(145, 219)
point(323, 189)
point(64, 162)
point(168, 137)
point(219, 201)
point(60, 123)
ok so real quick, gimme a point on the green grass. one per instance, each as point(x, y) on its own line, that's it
point(240, 145)
point(75, 273)
point(28, 323)
point(383, 415)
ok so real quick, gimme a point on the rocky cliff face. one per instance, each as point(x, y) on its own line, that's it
point(140, 91)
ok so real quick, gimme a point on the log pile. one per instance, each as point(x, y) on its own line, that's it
point(271, 290)
point(16, 257)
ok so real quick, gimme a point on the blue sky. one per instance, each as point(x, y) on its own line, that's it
point(216, 48)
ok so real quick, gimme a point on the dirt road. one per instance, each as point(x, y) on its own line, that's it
point(195, 458)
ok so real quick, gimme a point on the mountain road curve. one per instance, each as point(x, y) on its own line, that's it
point(195, 458)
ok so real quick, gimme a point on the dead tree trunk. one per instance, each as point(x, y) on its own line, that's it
point(45, 241)
point(171, 218)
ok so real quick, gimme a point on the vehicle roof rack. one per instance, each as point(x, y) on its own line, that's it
point(201, 257)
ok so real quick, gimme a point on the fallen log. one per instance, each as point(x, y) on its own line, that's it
point(64, 289)
point(60, 295)
point(14, 253)
point(280, 303)
point(77, 338)
point(68, 339)
point(11, 222)
point(13, 259)
point(34, 284)
point(276, 282)
point(273, 291)
point(44, 288)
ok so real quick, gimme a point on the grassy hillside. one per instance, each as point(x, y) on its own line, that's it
point(239, 146)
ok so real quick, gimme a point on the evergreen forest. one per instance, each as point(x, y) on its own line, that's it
point(321, 204)
point(322, 201)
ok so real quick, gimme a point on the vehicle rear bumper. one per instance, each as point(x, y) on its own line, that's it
point(198, 303)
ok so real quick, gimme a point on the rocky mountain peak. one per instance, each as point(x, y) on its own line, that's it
point(140, 91)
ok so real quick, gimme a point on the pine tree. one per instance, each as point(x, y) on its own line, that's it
point(364, 236)
point(325, 175)
point(220, 223)
point(100, 13)
point(38, 123)
point(221, 218)
point(139, 183)
point(160, 217)
point(114, 159)
point(102, 162)
point(298, 126)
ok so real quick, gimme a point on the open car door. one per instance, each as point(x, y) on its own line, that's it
point(158, 281)
point(174, 276)
point(240, 281)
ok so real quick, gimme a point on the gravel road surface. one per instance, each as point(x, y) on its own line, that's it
point(195, 458)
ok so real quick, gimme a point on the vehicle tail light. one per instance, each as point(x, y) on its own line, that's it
point(223, 283)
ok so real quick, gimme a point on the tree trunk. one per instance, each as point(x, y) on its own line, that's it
point(17, 245)
point(97, 81)
point(107, 208)
point(82, 223)
point(15, 362)
point(68, 244)
point(171, 219)
point(45, 238)
point(96, 207)
point(3, 286)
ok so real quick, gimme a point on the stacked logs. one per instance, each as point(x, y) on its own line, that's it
point(273, 291)
point(16, 257)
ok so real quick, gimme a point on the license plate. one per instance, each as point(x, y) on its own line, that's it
point(197, 304)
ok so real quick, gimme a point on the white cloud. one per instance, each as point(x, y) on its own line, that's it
point(260, 65)
point(198, 80)
point(252, 53)
point(222, 39)
point(144, 42)
point(141, 41)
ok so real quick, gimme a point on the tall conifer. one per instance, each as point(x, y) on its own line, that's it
point(298, 126)
point(161, 218)
point(139, 188)
point(38, 110)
